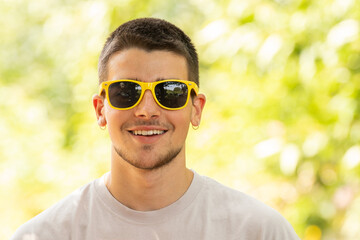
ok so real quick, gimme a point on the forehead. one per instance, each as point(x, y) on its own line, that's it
point(135, 63)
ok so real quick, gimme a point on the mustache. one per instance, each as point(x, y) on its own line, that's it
point(153, 122)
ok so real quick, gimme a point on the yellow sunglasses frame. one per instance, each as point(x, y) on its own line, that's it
point(148, 86)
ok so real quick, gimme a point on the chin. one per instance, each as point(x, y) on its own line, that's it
point(149, 163)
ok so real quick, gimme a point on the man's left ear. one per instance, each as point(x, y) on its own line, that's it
point(198, 104)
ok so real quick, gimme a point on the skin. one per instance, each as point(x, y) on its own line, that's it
point(148, 173)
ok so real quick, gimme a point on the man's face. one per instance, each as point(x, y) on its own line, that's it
point(148, 136)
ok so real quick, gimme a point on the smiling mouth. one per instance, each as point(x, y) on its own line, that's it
point(147, 132)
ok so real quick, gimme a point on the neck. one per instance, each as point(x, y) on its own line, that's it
point(146, 190)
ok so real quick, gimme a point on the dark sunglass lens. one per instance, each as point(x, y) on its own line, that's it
point(171, 94)
point(124, 94)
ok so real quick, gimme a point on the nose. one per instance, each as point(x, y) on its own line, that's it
point(147, 108)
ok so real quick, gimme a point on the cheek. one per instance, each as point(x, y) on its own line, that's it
point(113, 125)
point(114, 118)
point(181, 121)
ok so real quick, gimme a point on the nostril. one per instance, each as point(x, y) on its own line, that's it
point(147, 108)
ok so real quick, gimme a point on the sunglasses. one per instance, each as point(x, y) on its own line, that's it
point(170, 94)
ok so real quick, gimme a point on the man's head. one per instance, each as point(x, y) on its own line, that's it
point(150, 34)
point(144, 93)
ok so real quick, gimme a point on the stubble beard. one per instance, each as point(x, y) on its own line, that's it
point(141, 163)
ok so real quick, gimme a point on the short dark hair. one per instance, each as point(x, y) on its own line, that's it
point(150, 34)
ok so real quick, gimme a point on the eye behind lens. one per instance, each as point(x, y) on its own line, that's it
point(171, 94)
point(124, 94)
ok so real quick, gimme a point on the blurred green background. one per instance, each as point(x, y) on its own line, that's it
point(282, 80)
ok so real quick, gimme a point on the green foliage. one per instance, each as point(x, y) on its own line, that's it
point(282, 80)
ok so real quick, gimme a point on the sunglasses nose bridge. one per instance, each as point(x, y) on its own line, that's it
point(148, 86)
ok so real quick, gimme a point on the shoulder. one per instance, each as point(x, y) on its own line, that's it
point(229, 197)
point(56, 222)
point(245, 214)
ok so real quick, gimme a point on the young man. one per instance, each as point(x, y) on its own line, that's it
point(148, 74)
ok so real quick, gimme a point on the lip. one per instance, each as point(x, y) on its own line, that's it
point(147, 128)
point(147, 139)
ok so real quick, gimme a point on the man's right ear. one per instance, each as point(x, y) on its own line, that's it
point(98, 103)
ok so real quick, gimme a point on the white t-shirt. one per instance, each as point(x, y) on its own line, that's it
point(208, 210)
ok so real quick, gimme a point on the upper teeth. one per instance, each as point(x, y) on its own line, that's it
point(146, 133)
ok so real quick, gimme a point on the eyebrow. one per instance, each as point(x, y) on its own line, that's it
point(156, 80)
point(160, 79)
